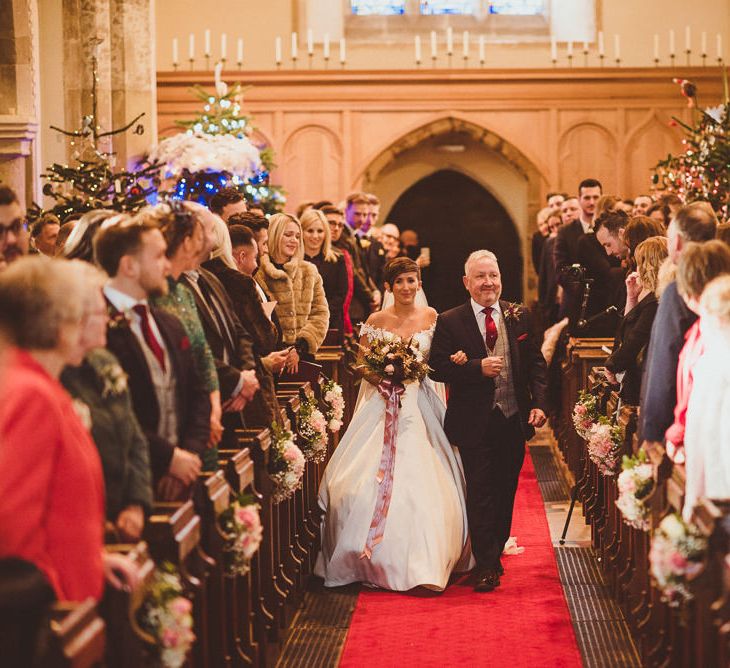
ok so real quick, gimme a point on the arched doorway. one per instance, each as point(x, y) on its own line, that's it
point(454, 215)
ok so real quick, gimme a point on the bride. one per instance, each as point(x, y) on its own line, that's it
point(409, 529)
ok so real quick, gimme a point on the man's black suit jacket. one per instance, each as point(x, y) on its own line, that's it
point(471, 394)
point(239, 345)
point(193, 402)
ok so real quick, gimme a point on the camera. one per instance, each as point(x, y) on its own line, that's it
point(575, 272)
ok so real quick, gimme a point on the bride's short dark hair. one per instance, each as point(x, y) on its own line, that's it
point(398, 266)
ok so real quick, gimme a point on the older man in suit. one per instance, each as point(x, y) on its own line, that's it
point(169, 399)
point(496, 400)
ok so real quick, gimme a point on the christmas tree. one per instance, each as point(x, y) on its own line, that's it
point(702, 171)
point(91, 182)
point(216, 151)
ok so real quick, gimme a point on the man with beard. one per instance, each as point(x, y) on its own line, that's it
point(14, 237)
point(168, 397)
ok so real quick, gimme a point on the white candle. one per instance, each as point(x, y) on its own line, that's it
point(449, 41)
point(704, 43)
point(240, 50)
point(481, 49)
point(570, 49)
point(310, 42)
point(433, 44)
point(465, 38)
point(585, 48)
point(277, 49)
point(224, 45)
point(174, 51)
point(601, 46)
point(656, 46)
point(326, 46)
point(687, 38)
point(553, 51)
point(418, 49)
point(719, 46)
point(191, 46)
point(294, 46)
point(617, 47)
point(671, 43)
point(207, 42)
point(342, 50)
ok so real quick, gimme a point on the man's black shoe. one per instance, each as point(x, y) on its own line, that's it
point(487, 581)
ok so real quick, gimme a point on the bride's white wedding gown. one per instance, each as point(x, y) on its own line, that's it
point(425, 537)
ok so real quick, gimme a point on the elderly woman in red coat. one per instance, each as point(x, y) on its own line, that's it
point(51, 482)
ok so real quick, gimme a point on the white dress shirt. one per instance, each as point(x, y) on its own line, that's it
point(125, 304)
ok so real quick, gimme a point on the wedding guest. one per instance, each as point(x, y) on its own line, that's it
point(698, 265)
point(391, 240)
point(539, 237)
point(246, 294)
point(169, 399)
point(329, 262)
point(637, 230)
point(63, 235)
point(226, 202)
point(296, 286)
point(609, 230)
point(625, 205)
point(555, 201)
point(634, 331)
point(184, 239)
point(673, 319)
point(641, 205)
point(374, 211)
point(263, 408)
point(657, 213)
point(44, 234)
point(256, 209)
point(229, 341)
point(547, 285)
point(52, 486)
point(357, 213)
point(304, 206)
point(100, 385)
point(258, 224)
point(80, 242)
point(14, 238)
point(707, 437)
point(336, 222)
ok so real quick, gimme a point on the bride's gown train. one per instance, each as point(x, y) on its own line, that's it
point(425, 537)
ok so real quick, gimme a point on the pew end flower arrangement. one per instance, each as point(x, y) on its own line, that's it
point(604, 443)
point(676, 558)
point(312, 431)
point(636, 482)
point(585, 414)
point(165, 617)
point(335, 405)
point(241, 523)
point(286, 465)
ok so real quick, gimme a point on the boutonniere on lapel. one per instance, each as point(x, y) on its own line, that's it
point(512, 312)
point(114, 379)
point(117, 319)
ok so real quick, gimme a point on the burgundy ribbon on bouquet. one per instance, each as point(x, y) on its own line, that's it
point(391, 392)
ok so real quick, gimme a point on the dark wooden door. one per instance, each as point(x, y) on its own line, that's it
point(454, 215)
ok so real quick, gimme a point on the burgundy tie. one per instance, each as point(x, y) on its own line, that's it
point(149, 336)
point(490, 328)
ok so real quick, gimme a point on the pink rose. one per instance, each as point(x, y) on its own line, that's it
point(580, 409)
point(290, 454)
point(170, 638)
point(246, 516)
point(678, 562)
point(181, 606)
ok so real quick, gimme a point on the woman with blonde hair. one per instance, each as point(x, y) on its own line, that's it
point(296, 286)
point(329, 261)
point(632, 338)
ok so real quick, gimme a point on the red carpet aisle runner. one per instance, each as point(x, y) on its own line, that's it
point(524, 622)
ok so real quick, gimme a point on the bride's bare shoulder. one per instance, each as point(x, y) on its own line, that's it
point(379, 318)
point(429, 316)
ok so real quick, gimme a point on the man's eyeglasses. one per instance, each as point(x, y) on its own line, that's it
point(336, 225)
point(15, 227)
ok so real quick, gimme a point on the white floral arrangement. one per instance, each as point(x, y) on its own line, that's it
point(675, 558)
point(604, 445)
point(167, 616)
point(199, 152)
point(312, 431)
point(635, 483)
point(241, 521)
point(335, 402)
point(286, 464)
point(585, 414)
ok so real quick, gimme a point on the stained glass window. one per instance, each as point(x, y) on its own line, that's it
point(378, 7)
point(449, 6)
point(517, 7)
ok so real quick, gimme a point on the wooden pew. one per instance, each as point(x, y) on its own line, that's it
point(173, 534)
point(77, 636)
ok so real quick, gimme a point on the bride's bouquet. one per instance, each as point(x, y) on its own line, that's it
point(394, 360)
